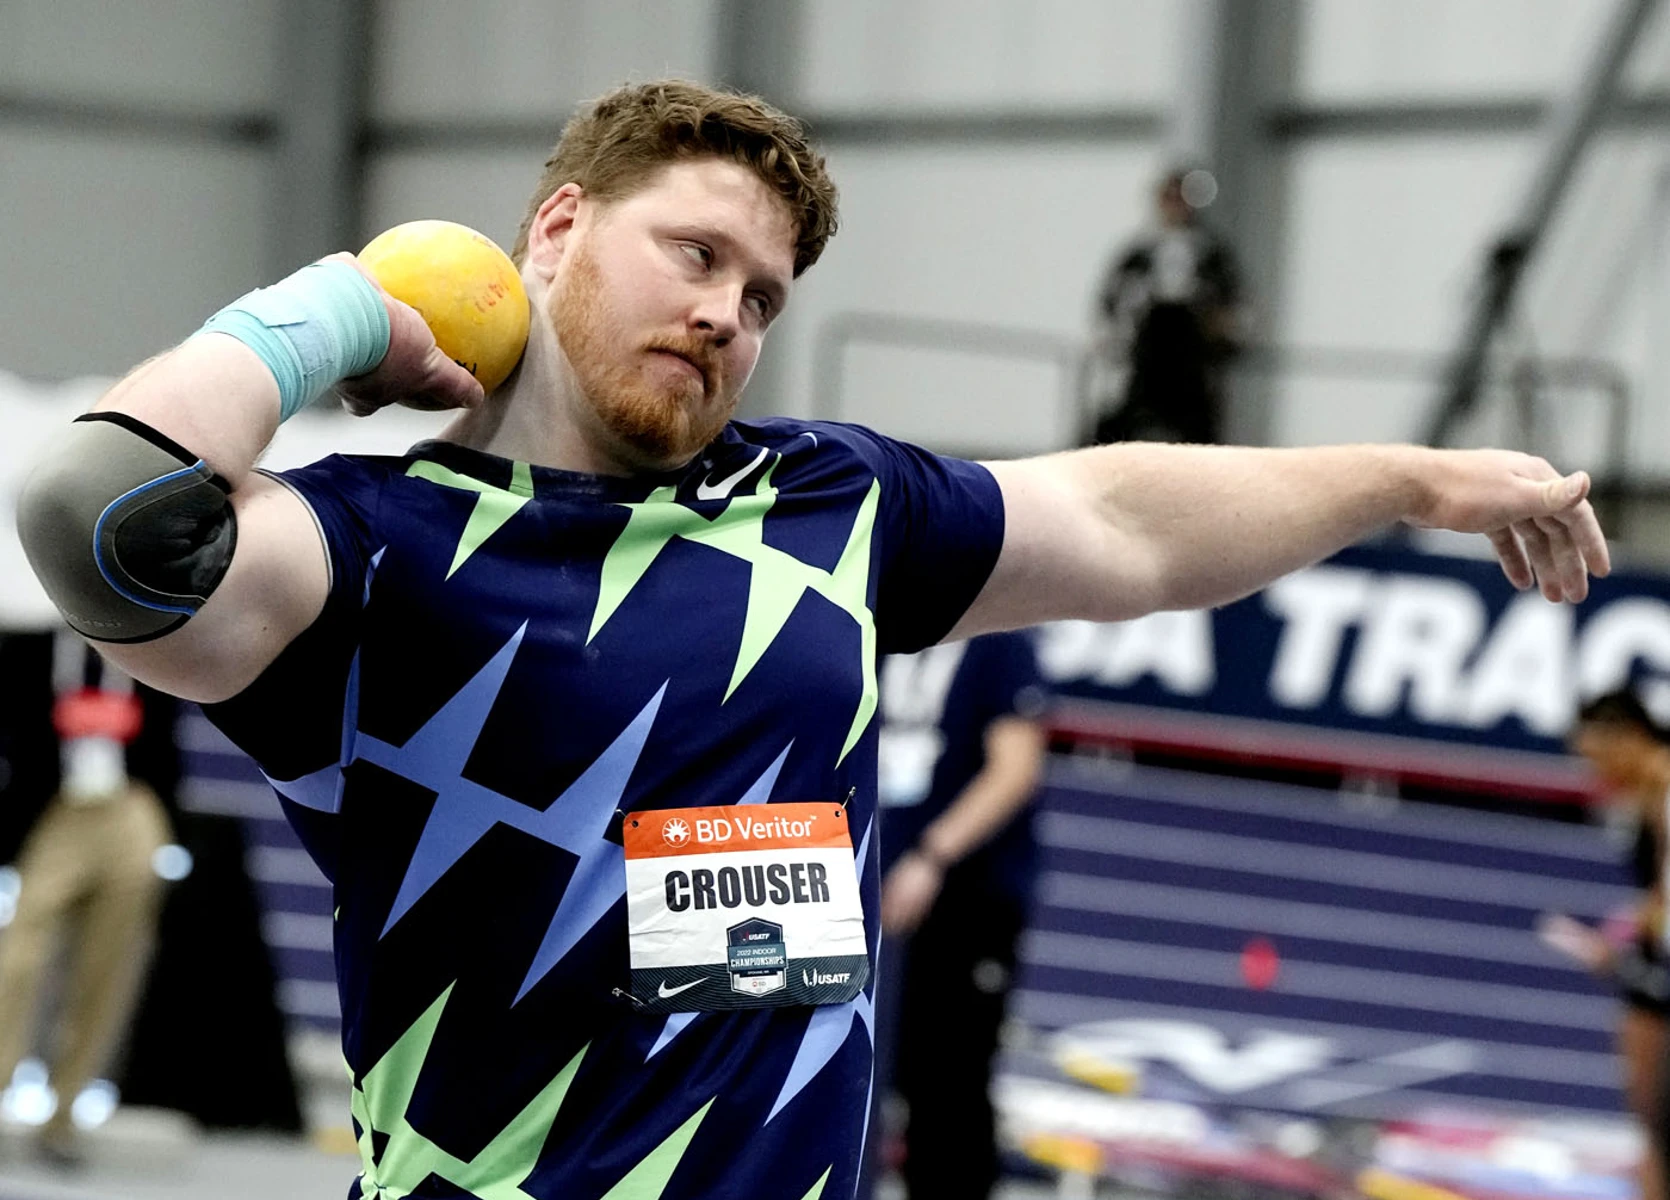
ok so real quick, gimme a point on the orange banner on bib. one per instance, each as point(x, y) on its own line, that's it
point(660, 833)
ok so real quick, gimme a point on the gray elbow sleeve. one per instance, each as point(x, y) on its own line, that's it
point(128, 532)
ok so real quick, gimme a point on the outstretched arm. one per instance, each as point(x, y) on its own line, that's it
point(1114, 532)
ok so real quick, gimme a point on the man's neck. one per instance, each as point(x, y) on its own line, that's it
point(538, 416)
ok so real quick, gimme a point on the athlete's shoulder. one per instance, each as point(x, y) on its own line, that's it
point(831, 441)
point(347, 471)
point(364, 477)
point(347, 492)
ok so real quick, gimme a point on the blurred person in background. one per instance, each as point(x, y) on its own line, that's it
point(1630, 754)
point(961, 753)
point(89, 756)
point(1169, 314)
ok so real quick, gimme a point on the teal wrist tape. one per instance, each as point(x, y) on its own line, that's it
point(325, 323)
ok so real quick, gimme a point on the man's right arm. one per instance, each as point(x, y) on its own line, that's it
point(218, 585)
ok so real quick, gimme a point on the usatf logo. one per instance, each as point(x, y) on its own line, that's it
point(676, 832)
point(817, 978)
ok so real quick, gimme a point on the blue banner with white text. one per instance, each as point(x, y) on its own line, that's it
point(1384, 640)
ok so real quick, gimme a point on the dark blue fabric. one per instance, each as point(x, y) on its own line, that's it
point(455, 733)
point(996, 677)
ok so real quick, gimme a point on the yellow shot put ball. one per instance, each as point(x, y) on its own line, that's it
point(466, 288)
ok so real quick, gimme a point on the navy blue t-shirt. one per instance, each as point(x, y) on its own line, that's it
point(510, 657)
point(935, 708)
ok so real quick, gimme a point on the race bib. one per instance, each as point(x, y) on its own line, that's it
point(743, 906)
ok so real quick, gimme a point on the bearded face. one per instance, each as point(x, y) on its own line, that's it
point(659, 301)
point(662, 395)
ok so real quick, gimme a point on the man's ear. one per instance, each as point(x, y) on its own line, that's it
point(552, 226)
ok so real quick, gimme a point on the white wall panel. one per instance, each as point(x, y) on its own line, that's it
point(115, 248)
point(193, 55)
point(1384, 243)
point(1014, 237)
point(1590, 269)
point(1601, 286)
point(1385, 235)
point(1357, 50)
point(1649, 64)
point(486, 191)
point(988, 54)
point(439, 59)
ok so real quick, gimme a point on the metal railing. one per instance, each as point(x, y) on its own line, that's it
point(1527, 384)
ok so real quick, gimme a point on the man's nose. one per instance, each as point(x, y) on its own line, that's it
point(718, 314)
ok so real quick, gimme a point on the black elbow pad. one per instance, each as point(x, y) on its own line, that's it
point(128, 531)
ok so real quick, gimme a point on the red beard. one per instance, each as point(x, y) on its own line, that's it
point(663, 424)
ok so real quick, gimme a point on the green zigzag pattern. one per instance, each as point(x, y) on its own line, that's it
point(648, 1179)
point(493, 506)
point(380, 1103)
point(777, 579)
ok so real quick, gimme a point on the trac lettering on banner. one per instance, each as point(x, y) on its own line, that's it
point(1385, 645)
point(754, 886)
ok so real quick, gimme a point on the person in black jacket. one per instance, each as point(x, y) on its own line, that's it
point(961, 754)
point(1168, 312)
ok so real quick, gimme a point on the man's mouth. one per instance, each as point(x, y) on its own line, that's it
point(687, 361)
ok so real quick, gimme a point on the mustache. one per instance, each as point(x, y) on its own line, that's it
point(700, 353)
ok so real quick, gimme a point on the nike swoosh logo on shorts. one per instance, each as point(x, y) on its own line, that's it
point(666, 992)
point(718, 491)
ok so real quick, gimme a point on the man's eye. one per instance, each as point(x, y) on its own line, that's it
point(762, 306)
point(700, 254)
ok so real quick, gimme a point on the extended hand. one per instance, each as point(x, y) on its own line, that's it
point(1576, 940)
point(414, 372)
point(1540, 522)
point(908, 892)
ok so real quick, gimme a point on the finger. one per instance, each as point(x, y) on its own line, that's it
point(1541, 555)
point(1559, 495)
point(343, 256)
point(1568, 562)
point(356, 404)
point(1512, 557)
point(1591, 541)
point(448, 385)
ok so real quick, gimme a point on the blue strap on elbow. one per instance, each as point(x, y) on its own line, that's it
point(325, 323)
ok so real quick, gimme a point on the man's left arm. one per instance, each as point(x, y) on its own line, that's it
point(1115, 532)
point(1014, 747)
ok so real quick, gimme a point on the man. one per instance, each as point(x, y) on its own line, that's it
point(1628, 750)
point(90, 765)
point(523, 689)
point(961, 753)
point(1169, 314)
